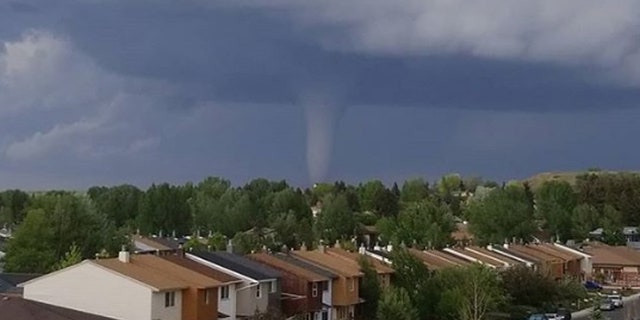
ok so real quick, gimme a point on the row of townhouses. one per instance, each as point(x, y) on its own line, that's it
point(160, 281)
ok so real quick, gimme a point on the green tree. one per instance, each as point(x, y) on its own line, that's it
point(119, 204)
point(585, 218)
point(414, 190)
point(375, 197)
point(30, 249)
point(417, 280)
point(395, 303)
point(217, 241)
point(596, 313)
point(424, 222)
point(336, 221)
point(13, 206)
point(527, 287)
point(165, 208)
point(503, 214)
point(475, 288)
point(555, 202)
point(72, 257)
point(369, 289)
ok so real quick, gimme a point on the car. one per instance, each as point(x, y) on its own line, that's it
point(592, 285)
point(617, 300)
point(538, 316)
point(564, 313)
point(607, 305)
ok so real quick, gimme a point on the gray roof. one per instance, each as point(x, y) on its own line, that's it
point(239, 264)
point(303, 264)
point(17, 308)
point(10, 281)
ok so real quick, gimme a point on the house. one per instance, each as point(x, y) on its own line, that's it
point(586, 263)
point(9, 282)
point(382, 269)
point(544, 262)
point(631, 234)
point(345, 292)
point(259, 290)
point(302, 287)
point(572, 262)
point(17, 308)
point(504, 251)
point(615, 265)
point(130, 287)
point(226, 281)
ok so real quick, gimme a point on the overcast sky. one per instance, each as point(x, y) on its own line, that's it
point(140, 91)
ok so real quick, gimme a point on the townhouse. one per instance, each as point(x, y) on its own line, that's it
point(571, 262)
point(615, 265)
point(258, 291)
point(345, 292)
point(302, 287)
point(383, 271)
point(546, 263)
point(586, 263)
point(129, 287)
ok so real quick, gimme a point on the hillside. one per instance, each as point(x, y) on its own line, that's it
point(568, 176)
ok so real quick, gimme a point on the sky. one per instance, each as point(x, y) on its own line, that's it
point(105, 92)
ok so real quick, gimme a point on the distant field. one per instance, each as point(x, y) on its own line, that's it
point(570, 177)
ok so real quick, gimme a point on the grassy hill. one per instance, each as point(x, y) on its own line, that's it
point(568, 176)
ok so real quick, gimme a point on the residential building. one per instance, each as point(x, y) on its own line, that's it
point(259, 290)
point(345, 288)
point(226, 291)
point(572, 262)
point(9, 282)
point(586, 263)
point(505, 252)
point(383, 270)
point(302, 287)
point(130, 287)
point(17, 308)
point(616, 265)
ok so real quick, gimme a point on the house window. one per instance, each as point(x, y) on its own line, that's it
point(272, 286)
point(258, 292)
point(325, 315)
point(224, 293)
point(206, 296)
point(169, 299)
point(314, 289)
point(352, 284)
point(325, 286)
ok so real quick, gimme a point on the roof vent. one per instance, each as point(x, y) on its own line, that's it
point(124, 256)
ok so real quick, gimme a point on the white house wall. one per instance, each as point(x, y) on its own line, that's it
point(160, 312)
point(90, 288)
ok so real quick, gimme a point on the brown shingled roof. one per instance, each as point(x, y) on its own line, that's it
point(555, 251)
point(379, 266)
point(17, 308)
point(479, 257)
point(494, 255)
point(340, 266)
point(200, 268)
point(613, 255)
point(530, 251)
point(455, 260)
point(432, 262)
point(283, 265)
point(158, 273)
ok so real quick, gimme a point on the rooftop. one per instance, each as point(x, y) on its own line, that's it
point(276, 262)
point(239, 264)
point(200, 268)
point(354, 257)
point(340, 266)
point(10, 281)
point(17, 308)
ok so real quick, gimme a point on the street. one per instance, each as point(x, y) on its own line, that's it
point(631, 311)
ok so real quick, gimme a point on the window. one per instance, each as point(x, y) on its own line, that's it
point(314, 289)
point(325, 315)
point(169, 299)
point(352, 284)
point(206, 296)
point(273, 285)
point(224, 293)
point(258, 292)
point(325, 286)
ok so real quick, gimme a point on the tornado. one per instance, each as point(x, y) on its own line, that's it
point(322, 121)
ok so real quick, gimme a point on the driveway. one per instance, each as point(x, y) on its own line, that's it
point(631, 311)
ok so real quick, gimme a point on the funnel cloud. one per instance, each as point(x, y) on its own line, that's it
point(322, 120)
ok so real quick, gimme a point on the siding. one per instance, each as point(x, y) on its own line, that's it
point(160, 312)
point(92, 289)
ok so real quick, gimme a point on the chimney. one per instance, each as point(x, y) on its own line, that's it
point(180, 251)
point(230, 246)
point(389, 247)
point(321, 247)
point(377, 247)
point(124, 256)
point(303, 247)
point(506, 244)
point(284, 248)
point(160, 234)
point(173, 234)
point(361, 249)
point(337, 245)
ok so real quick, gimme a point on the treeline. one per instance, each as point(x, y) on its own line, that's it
point(273, 213)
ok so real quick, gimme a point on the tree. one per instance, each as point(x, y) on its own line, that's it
point(424, 222)
point(13, 206)
point(527, 287)
point(217, 241)
point(596, 313)
point(555, 202)
point(165, 208)
point(476, 288)
point(585, 218)
point(395, 303)
point(72, 257)
point(119, 204)
point(30, 249)
point(503, 214)
point(375, 197)
point(414, 190)
point(369, 289)
point(417, 280)
point(336, 221)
